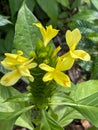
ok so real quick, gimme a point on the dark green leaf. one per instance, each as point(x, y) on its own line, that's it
point(64, 2)
point(14, 6)
point(50, 7)
point(30, 4)
point(94, 70)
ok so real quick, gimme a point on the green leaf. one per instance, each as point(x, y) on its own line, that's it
point(4, 20)
point(83, 103)
point(64, 2)
point(94, 70)
point(86, 15)
point(88, 100)
point(86, 108)
point(30, 4)
point(49, 123)
point(95, 3)
point(84, 89)
point(14, 6)
point(84, 26)
point(6, 45)
point(8, 109)
point(25, 120)
point(50, 7)
point(89, 112)
point(65, 114)
point(9, 40)
point(23, 97)
point(8, 123)
point(26, 34)
point(93, 36)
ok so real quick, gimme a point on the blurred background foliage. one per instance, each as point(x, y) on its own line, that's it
point(63, 15)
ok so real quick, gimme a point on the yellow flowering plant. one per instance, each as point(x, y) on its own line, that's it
point(51, 101)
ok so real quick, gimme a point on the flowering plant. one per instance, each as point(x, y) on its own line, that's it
point(51, 101)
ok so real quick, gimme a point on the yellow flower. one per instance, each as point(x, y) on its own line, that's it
point(13, 60)
point(20, 67)
point(72, 39)
point(47, 33)
point(56, 74)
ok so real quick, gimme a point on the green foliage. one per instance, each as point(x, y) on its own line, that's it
point(4, 20)
point(47, 122)
point(83, 102)
point(95, 3)
point(25, 32)
point(9, 111)
point(53, 107)
point(47, 7)
point(64, 3)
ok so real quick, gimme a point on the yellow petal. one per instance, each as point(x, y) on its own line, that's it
point(7, 65)
point(23, 71)
point(12, 60)
point(65, 63)
point(10, 78)
point(50, 33)
point(39, 25)
point(47, 33)
point(56, 51)
point(47, 77)
point(62, 79)
point(32, 65)
point(46, 67)
point(80, 54)
point(72, 38)
point(31, 78)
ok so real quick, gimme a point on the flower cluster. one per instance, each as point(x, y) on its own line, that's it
point(20, 66)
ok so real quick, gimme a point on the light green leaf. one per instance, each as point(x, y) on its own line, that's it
point(49, 123)
point(84, 89)
point(95, 3)
point(8, 109)
point(4, 20)
point(8, 123)
point(83, 103)
point(23, 97)
point(89, 112)
point(26, 34)
point(50, 7)
point(65, 114)
point(25, 120)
